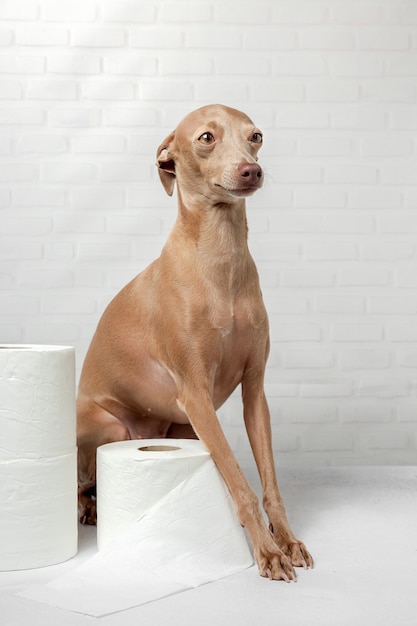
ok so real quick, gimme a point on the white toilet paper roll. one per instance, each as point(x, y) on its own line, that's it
point(38, 519)
point(134, 476)
point(37, 401)
point(38, 479)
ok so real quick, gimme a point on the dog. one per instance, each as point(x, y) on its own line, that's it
point(180, 337)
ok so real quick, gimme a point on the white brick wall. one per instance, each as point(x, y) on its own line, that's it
point(87, 93)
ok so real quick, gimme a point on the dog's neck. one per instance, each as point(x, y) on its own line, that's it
point(216, 230)
point(213, 240)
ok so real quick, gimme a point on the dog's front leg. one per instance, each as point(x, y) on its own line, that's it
point(271, 560)
point(258, 426)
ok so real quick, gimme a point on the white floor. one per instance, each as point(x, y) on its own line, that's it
point(360, 524)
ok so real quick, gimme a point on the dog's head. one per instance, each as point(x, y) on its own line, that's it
point(212, 152)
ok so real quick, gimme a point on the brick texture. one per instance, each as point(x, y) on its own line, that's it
point(88, 92)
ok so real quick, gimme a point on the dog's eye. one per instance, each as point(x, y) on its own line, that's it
point(257, 138)
point(206, 138)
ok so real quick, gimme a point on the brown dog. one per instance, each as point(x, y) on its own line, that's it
point(177, 340)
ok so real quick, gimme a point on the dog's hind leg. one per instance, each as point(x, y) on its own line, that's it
point(95, 427)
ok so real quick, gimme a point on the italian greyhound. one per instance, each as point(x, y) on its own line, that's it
point(180, 337)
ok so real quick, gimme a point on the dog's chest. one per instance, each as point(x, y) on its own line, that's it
point(241, 338)
point(240, 320)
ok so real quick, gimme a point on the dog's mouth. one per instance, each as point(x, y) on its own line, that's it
point(246, 191)
point(241, 192)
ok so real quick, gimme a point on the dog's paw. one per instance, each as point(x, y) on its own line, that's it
point(299, 555)
point(88, 513)
point(293, 548)
point(274, 564)
point(277, 567)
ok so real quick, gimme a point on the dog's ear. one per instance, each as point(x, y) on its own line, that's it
point(166, 164)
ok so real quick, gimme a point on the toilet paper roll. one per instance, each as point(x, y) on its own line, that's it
point(37, 401)
point(38, 479)
point(38, 519)
point(166, 523)
point(134, 476)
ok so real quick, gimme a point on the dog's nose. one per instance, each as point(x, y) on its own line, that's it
point(251, 172)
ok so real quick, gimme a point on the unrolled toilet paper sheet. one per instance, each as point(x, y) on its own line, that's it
point(189, 535)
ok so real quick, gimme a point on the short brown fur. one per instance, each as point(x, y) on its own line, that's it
point(179, 338)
